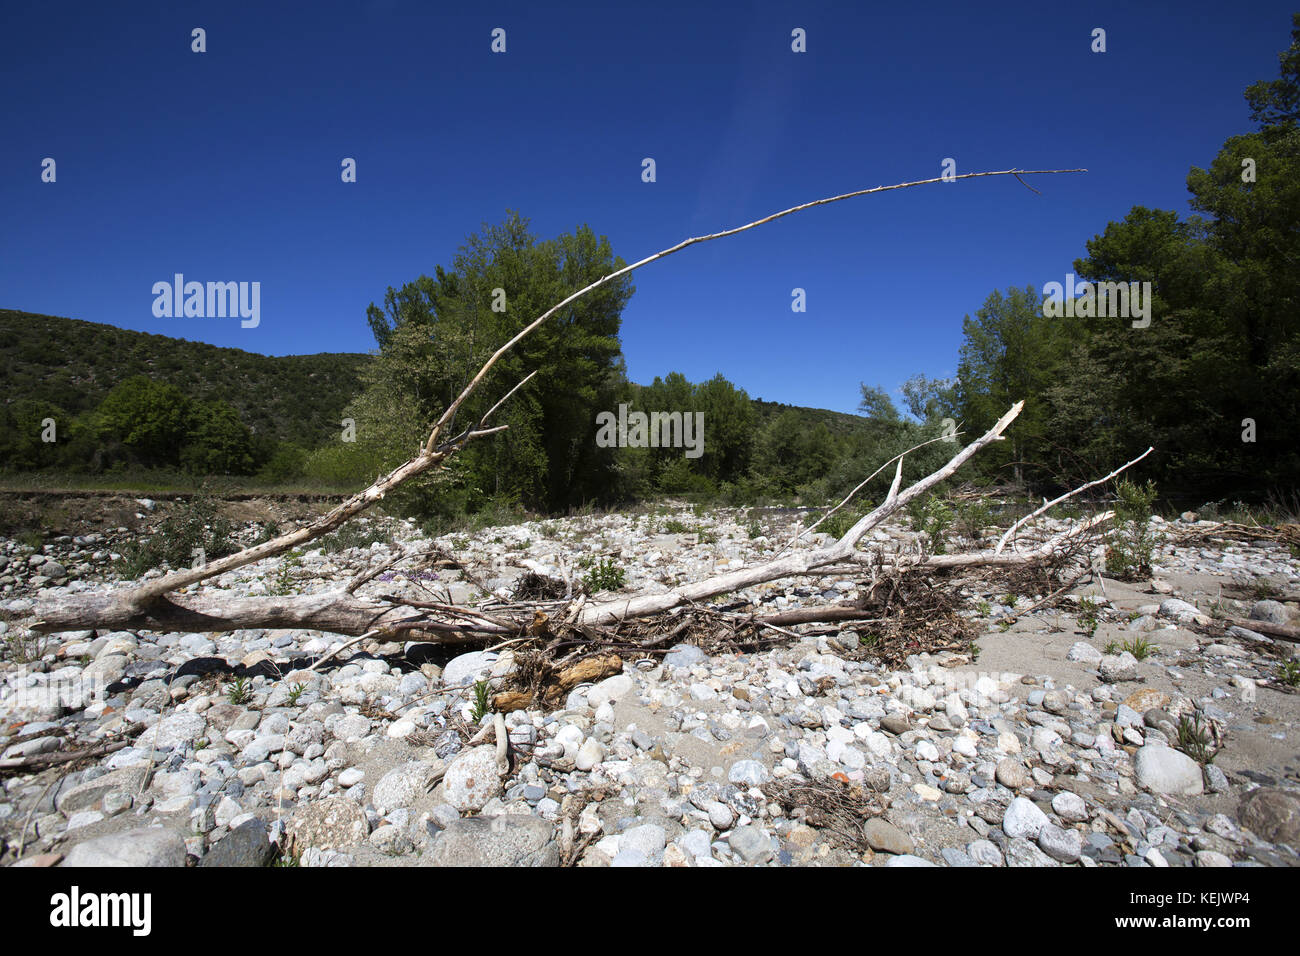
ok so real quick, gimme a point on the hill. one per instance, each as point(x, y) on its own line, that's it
point(74, 364)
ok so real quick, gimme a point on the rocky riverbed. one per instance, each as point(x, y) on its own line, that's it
point(1063, 740)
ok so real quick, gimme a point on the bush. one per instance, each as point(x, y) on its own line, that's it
point(605, 576)
point(1128, 555)
point(192, 525)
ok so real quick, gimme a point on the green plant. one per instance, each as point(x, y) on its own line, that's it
point(295, 692)
point(283, 582)
point(1088, 616)
point(932, 516)
point(974, 651)
point(838, 524)
point(605, 576)
point(193, 528)
point(1132, 541)
point(1194, 739)
point(972, 517)
point(673, 526)
point(240, 691)
point(1139, 647)
point(482, 704)
point(984, 608)
point(755, 530)
point(1288, 672)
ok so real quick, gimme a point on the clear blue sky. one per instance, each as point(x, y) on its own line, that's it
point(225, 165)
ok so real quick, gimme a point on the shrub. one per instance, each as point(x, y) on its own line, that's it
point(604, 576)
point(1132, 542)
point(192, 525)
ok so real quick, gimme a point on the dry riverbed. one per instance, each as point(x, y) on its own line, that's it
point(1049, 745)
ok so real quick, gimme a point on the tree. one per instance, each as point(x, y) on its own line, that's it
point(217, 442)
point(434, 333)
point(150, 418)
point(928, 399)
point(1009, 353)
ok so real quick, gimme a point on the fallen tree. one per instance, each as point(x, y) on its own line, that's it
point(160, 604)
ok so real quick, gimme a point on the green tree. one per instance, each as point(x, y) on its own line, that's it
point(217, 442)
point(435, 333)
point(150, 418)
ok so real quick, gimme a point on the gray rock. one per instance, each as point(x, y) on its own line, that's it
point(1060, 844)
point(751, 844)
point(1212, 858)
point(683, 657)
point(1164, 770)
point(404, 785)
point(1216, 781)
point(1272, 815)
point(87, 794)
point(329, 824)
point(146, 846)
point(1081, 652)
point(503, 841)
point(175, 730)
point(1273, 612)
point(1023, 819)
point(246, 845)
point(611, 689)
point(648, 839)
point(1069, 807)
point(748, 773)
point(907, 860)
point(1182, 612)
point(884, 837)
point(1020, 852)
point(985, 853)
point(1118, 667)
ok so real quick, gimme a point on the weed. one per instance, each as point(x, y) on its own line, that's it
point(482, 705)
point(933, 517)
point(295, 692)
point(605, 576)
point(984, 608)
point(1288, 672)
point(673, 526)
point(1139, 647)
point(240, 691)
point(283, 583)
point(1194, 739)
point(755, 530)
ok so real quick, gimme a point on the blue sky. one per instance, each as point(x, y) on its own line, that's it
point(225, 165)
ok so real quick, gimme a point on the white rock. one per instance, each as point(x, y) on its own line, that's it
point(1165, 770)
point(1069, 807)
point(1023, 819)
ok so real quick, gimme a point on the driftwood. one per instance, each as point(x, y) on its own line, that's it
point(157, 605)
point(1283, 631)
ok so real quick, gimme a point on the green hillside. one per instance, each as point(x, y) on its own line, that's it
point(74, 364)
